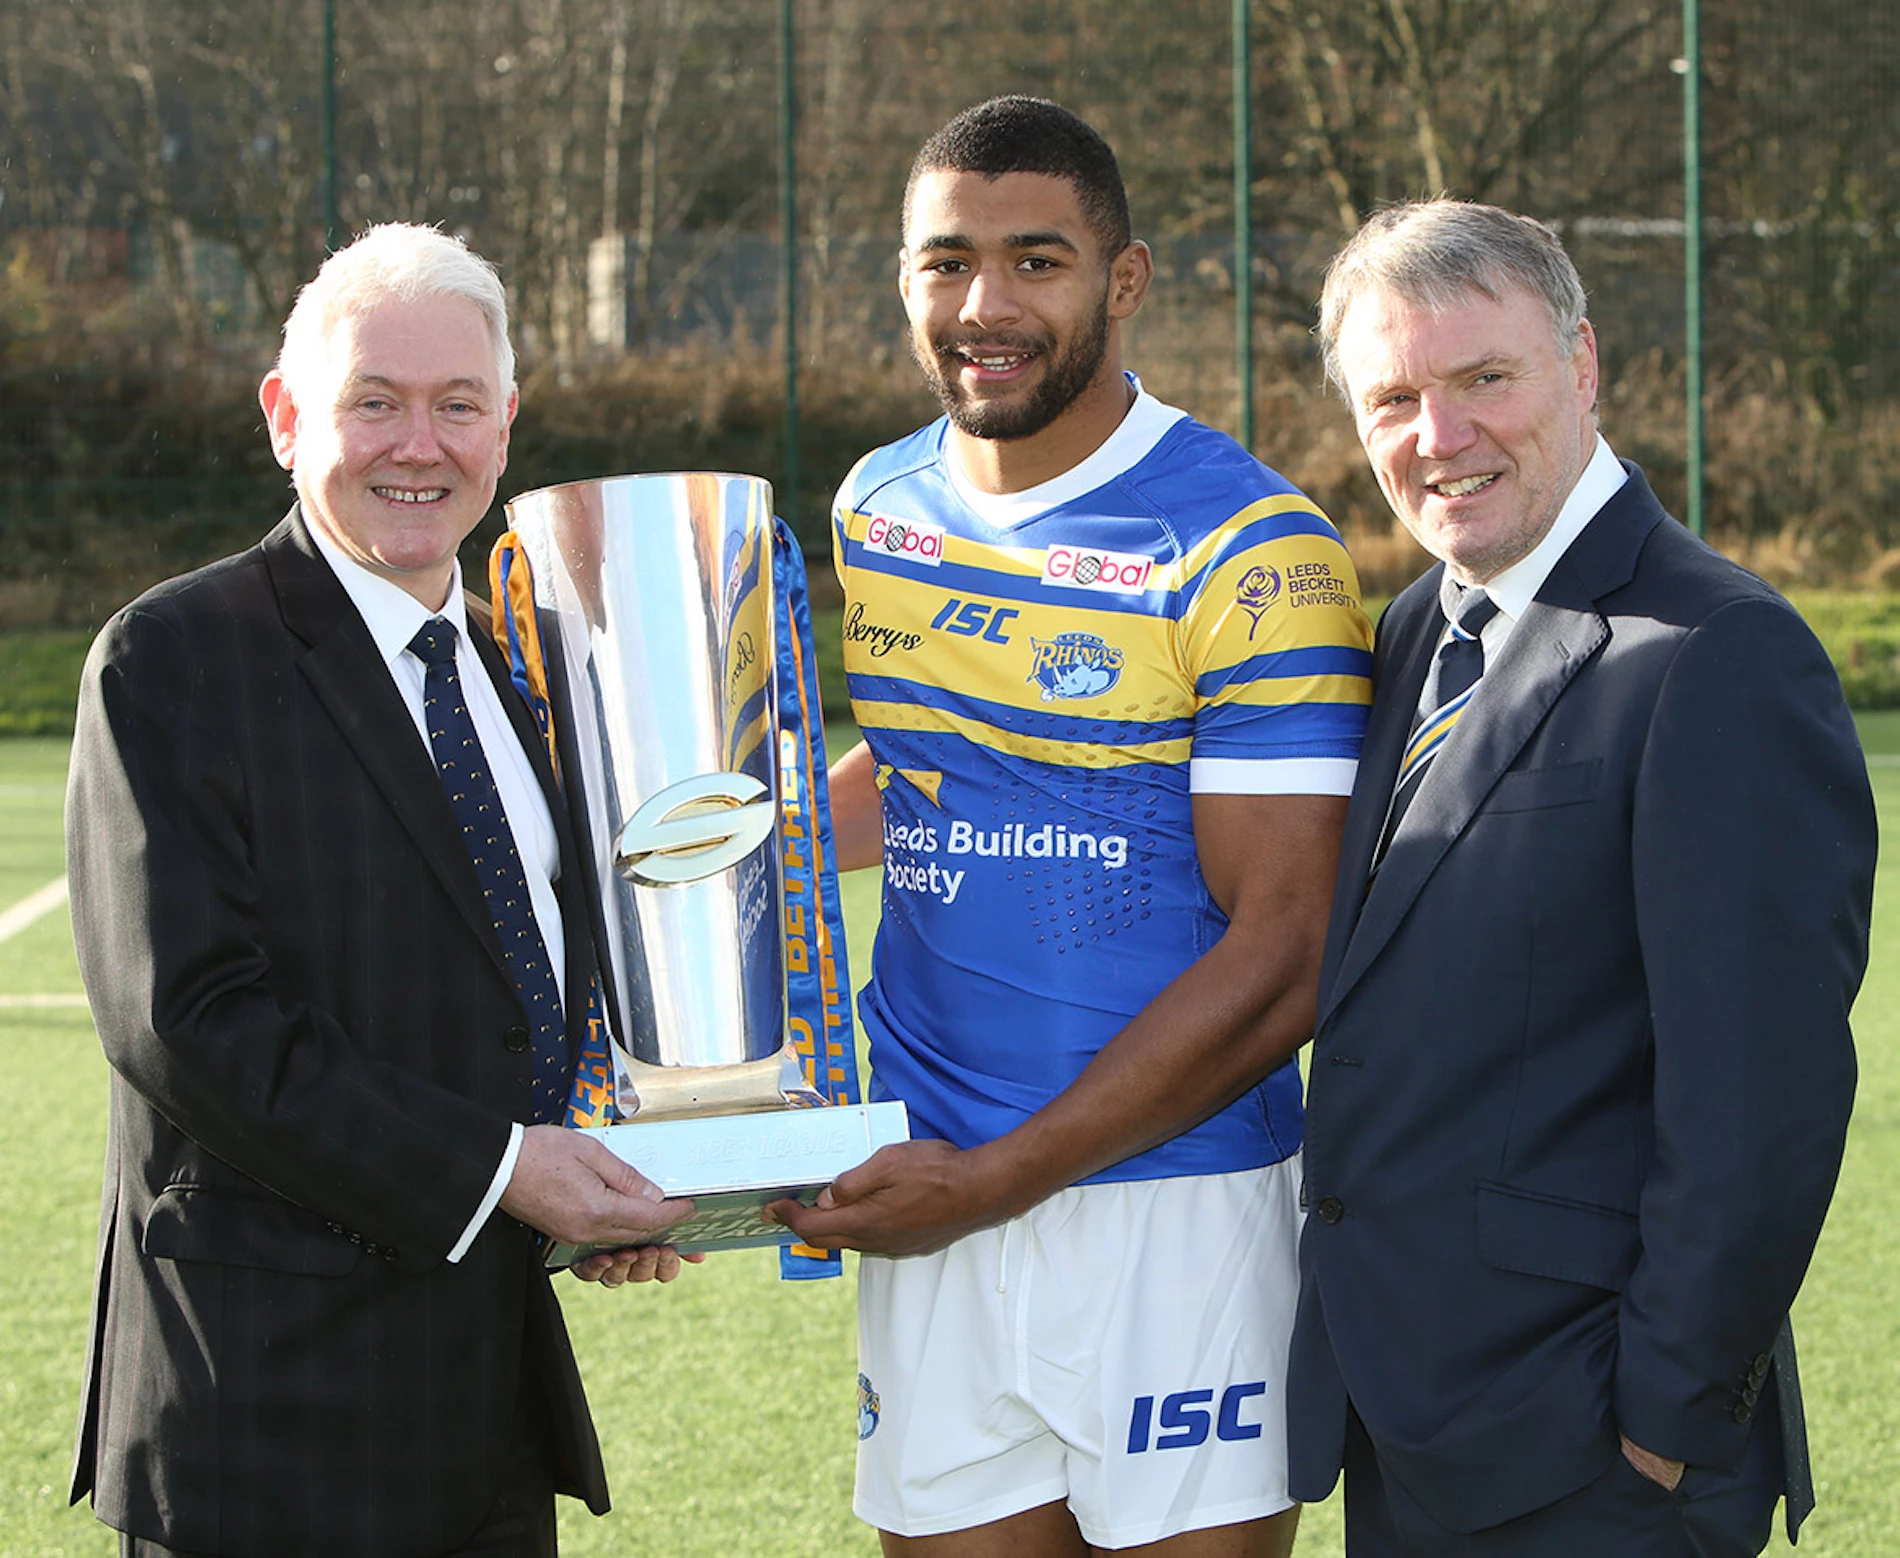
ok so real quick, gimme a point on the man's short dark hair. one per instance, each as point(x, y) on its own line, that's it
point(1033, 135)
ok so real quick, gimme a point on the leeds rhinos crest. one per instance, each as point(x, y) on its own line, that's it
point(1074, 665)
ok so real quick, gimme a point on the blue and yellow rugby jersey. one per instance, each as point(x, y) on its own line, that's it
point(1044, 678)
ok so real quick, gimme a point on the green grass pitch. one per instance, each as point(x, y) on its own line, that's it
point(726, 1401)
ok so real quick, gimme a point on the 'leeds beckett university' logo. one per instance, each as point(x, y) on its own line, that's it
point(1074, 665)
point(1091, 568)
point(1258, 589)
point(914, 540)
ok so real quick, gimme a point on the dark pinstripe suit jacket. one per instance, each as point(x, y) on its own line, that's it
point(316, 1052)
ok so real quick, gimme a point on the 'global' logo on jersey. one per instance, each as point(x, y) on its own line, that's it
point(915, 540)
point(1074, 665)
point(1090, 568)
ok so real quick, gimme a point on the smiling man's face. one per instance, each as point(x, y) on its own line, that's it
point(1476, 422)
point(1009, 297)
point(397, 454)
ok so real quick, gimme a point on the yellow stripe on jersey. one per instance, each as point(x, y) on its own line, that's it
point(1204, 551)
point(1038, 749)
point(1280, 691)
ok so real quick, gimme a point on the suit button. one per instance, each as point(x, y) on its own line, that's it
point(388, 1254)
point(1331, 1209)
point(515, 1040)
point(1758, 1370)
point(1743, 1412)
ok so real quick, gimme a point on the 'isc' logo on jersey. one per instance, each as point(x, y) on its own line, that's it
point(914, 540)
point(1090, 568)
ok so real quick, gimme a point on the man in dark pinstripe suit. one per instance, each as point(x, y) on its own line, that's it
point(320, 1324)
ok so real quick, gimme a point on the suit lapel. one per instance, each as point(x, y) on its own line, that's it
point(575, 817)
point(350, 679)
point(1408, 633)
point(1557, 635)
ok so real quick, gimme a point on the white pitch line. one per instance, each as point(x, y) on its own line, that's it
point(16, 1002)
point(32, 907)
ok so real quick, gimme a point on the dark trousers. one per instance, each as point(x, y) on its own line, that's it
point(1709, 1515)
point(519, 1524)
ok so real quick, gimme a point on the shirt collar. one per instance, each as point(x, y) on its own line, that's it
point(390, 612)
point(1516, 587)
point(1145, 424)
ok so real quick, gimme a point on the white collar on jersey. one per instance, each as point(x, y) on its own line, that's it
point(1144, 426)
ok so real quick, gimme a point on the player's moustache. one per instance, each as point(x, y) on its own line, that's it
point(947, 347)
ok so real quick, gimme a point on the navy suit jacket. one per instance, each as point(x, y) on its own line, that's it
point(317, 1052)
point(1582, 1070)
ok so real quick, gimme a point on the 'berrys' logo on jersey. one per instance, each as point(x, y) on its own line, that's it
point(914, 540)
point(1090, 568)
point(1258, 589)
point(1074, 665)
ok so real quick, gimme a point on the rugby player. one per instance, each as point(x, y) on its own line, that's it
point(1112, 676)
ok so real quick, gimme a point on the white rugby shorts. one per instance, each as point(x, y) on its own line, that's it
point(1120, 1347)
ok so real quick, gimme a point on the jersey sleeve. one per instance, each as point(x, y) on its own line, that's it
point(1280, 651)
point(841, 505)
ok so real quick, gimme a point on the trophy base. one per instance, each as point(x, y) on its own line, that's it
point(731, 1165)
point(647, 1093)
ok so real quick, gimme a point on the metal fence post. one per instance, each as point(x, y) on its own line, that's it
point(1243, 222)
point(790, 500)
point(330, 223)
point(1692, 250)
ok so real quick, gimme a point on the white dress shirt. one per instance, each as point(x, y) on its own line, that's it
point(393, 617)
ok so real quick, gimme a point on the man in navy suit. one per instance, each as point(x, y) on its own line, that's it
point(1582, 1069)
point(321, 1323)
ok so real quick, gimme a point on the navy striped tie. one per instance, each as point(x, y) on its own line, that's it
point(491, 846)
point(1449, 685)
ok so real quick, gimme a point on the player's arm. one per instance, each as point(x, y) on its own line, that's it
point(857, 810)
point(1225, 1022)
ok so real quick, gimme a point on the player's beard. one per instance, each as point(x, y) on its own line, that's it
point(1065, 376)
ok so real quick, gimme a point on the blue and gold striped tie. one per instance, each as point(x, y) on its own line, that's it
point(1449, 686)
point(476, 803)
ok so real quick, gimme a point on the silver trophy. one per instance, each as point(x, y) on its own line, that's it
point(659, 592)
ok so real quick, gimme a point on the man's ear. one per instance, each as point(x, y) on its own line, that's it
point(1583, 363)
point(507, 422)
point(1130, 274)
point(903, 276)
point(280, 413)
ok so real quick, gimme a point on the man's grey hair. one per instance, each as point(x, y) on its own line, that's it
point(1433, 254)
point(399, 262)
